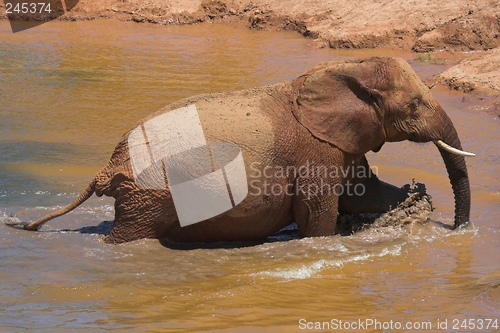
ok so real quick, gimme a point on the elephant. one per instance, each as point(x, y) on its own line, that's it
point(299, 145)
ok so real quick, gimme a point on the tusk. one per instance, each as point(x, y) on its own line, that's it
point(452, 150)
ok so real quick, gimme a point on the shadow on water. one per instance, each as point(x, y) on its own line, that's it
point(287, 233)
point(102, 228)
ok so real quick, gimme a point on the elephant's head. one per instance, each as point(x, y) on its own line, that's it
point(357, 106)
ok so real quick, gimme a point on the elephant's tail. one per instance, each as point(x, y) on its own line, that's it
point(87, 193)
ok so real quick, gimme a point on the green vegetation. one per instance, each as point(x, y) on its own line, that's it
point(429, 58)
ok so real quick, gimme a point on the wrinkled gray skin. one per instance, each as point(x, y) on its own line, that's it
point(329, 116)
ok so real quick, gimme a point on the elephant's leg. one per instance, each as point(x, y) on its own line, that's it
point(315, 209)
point(140, 214)
point(364, 192)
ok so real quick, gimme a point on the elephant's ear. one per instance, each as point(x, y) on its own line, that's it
point(336, 105)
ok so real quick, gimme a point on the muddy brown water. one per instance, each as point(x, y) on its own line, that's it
point(70, 90)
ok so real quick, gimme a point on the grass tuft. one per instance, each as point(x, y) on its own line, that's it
point(430, 59)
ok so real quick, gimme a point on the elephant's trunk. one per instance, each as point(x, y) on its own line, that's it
point(457, 172)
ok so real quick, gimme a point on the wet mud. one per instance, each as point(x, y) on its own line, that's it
point(417, 208)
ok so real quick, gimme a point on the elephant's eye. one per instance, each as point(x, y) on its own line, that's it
point(414, 105)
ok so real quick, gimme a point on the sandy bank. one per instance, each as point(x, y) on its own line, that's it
point(479, 73)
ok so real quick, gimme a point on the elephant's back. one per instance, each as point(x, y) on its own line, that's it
point(253, 119)
point(244, 118)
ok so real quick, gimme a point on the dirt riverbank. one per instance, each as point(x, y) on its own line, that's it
point(422, 26)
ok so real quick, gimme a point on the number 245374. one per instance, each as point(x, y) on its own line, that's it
point(477, 324)
point(27, 8)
